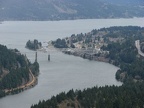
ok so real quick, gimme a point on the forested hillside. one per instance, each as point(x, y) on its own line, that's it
point(126, 2)
point(127, 96)
point(69, 9)
point(14, 70)
point(123, 52)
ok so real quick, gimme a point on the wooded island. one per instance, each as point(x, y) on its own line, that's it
point(33, 45)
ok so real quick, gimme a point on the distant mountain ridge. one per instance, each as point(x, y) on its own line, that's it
point(126, 2)
point(69, 9)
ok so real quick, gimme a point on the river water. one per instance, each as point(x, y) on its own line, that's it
point(63, 72)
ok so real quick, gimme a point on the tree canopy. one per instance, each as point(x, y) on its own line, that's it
point(14, 69)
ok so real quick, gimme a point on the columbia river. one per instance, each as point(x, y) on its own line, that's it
point(63, 72)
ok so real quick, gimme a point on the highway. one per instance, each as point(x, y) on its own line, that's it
point(137, 44)
point(25, 86)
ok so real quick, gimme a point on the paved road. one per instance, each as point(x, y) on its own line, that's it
point(27, 85)
point(137, 44)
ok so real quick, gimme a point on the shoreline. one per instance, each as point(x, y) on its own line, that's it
point(25, 86)
point(75, 19)
point(85, 55)
point(33, 81)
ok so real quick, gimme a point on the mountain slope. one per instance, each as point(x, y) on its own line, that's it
point(125, 96)
point(67, 9)
point(125, 2)
point(16, 72)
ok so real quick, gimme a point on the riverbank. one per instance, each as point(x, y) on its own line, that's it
point(86, 54)
point(31, 83)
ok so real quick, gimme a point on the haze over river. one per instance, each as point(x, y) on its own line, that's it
point(63, 72)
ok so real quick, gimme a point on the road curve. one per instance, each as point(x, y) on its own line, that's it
point(25, 86)
point(137, 44)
